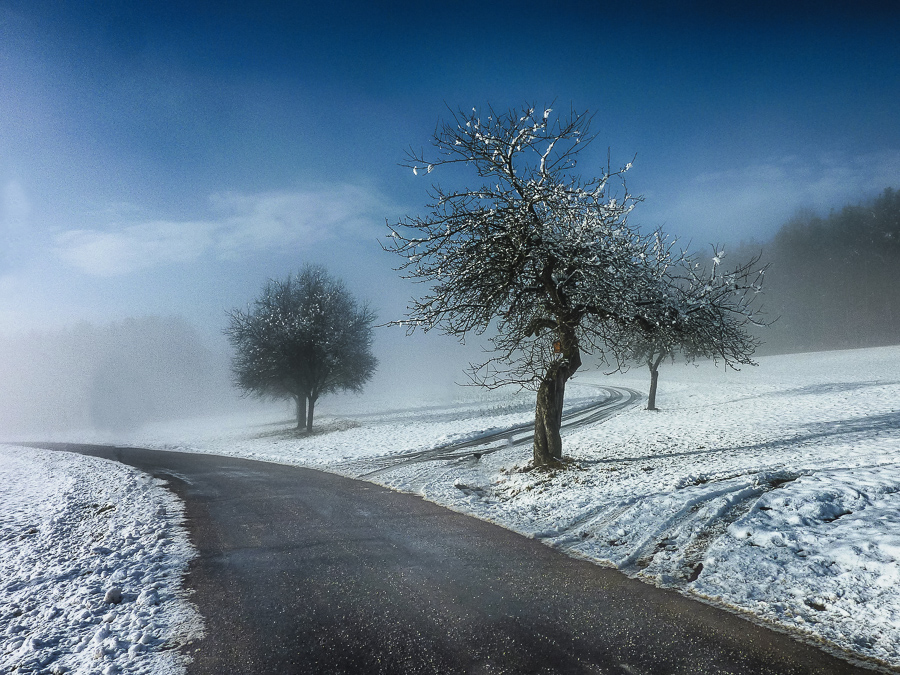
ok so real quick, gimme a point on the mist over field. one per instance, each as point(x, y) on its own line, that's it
point(109, 377)
point(832, 284)
point(119, 376)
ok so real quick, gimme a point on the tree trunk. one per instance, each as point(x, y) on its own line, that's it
point(309, 413)
point(548, 417)
point(654, 378)
point(549, 408)
point(653, 365)
point(301, 410)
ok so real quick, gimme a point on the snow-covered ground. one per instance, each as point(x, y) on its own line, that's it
point(774, 491)
point(92, 555)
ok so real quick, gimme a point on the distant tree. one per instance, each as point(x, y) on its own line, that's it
point(303, 337)
point(703, 311)
point(540, 258)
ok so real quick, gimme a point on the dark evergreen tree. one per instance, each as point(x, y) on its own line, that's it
point(833, 281)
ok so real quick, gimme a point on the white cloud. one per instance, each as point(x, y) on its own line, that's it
point(296, 218)
point(753, 201)
point(240, 223)
point(15, 224)
point(135, 247)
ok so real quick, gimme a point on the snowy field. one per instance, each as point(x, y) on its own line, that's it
point(91, 559)
point(774, 491)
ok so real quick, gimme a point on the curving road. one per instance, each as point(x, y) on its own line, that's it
point(612, 401)
point(306, 572)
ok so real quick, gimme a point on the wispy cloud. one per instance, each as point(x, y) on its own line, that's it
point(752, 201)
point(135, 247)
point(272, 219)
point(237, 223)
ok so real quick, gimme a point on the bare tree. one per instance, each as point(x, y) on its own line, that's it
point(702, 311)
point(538, 257)
point(304, 336)
point(542, 261)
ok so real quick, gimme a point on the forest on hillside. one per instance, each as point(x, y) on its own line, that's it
point(832, 281)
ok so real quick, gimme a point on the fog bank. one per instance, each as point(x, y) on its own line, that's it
point(110, 377)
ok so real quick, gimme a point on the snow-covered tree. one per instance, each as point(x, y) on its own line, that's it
point(701, 309)
point(303, 337)
point(541, 260)
point(534, 254)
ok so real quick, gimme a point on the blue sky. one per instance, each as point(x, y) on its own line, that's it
point(166, 158)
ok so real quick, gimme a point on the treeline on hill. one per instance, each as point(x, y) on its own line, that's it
point(833, 281)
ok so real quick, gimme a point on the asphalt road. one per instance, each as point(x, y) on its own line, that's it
point(306, 572)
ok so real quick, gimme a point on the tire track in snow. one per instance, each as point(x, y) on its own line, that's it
point(615, 400)
point(594, 519)
point(675, 549)
point(691, 565)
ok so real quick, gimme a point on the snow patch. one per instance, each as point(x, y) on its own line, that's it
point(82, 541)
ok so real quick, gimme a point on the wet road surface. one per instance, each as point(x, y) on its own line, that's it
point(306, 572)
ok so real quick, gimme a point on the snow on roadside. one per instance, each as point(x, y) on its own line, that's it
point(344, 438)
point(838, 531)
point(774, 491)
point(91, 559)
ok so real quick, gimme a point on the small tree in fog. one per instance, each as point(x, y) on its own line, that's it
point(303, 337)
point(702, 311)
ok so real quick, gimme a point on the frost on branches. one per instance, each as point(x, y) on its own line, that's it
point(542, 259)
point(305, 336)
